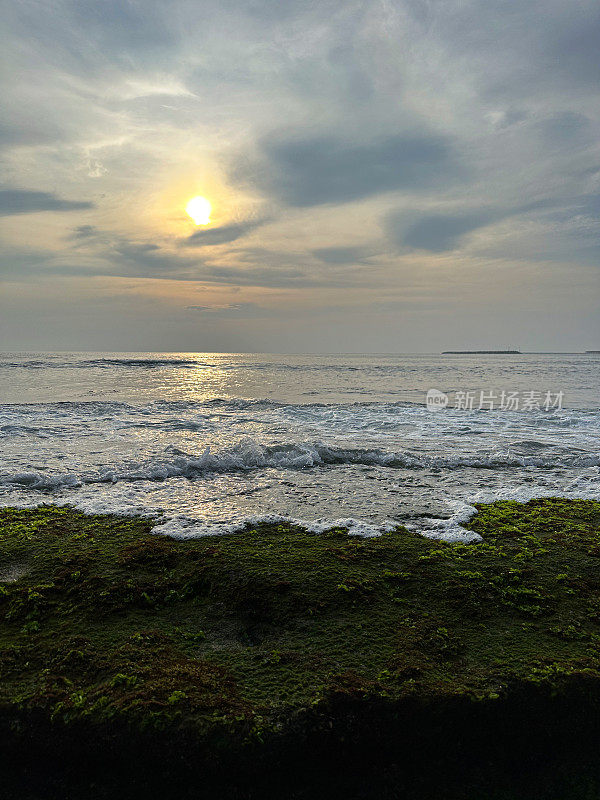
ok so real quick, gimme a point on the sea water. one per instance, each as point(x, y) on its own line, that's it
point(206, 442)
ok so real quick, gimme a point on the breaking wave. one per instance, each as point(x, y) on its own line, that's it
point(103, 363)
point(249, 455)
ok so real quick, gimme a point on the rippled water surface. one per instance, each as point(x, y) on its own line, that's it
point(210, 440)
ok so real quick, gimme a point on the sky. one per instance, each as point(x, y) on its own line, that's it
point(406, 176)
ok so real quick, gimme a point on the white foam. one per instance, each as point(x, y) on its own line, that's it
point(180, 526)
point(449, 529)
point(186, 528)
point(248, 455)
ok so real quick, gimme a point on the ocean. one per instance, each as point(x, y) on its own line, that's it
point(206, 442)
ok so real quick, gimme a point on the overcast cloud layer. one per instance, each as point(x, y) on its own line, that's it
point(408, 176)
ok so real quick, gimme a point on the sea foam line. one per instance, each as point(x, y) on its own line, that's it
point(249, 455)
point(447, 529)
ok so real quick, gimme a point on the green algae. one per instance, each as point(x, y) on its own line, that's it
point(260, 642)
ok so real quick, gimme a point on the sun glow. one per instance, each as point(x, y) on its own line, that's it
point(198, 208)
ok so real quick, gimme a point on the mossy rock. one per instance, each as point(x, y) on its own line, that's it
point(278, 662)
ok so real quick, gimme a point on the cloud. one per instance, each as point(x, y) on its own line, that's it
point(566, 128)
point(454, 114)
point(438, 233)
point(259, 276)
point(342, 255)
point(148, 259)
point(23, 201)
point(212, 309)
point(591, 204)
point(18, 128)
point(84, 232)
point(225, 309)
point(95, 168)
point(318, 170)
point(102, 253)
point(123, 30)
point(574, 53)
point(226, 233)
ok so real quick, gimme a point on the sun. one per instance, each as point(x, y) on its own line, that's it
point(198, 208)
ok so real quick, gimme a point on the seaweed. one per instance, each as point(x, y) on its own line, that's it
point(272, 645)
